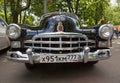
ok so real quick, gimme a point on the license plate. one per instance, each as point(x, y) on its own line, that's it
point(60, 58)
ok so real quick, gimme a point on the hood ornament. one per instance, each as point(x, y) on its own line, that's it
point(60, 27)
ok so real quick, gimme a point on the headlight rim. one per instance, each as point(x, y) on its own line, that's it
point(16, 26)
point(105, 25)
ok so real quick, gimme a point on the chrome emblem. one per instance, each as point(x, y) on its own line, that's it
point(60, 27)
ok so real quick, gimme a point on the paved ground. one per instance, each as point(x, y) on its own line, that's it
point(107, 71)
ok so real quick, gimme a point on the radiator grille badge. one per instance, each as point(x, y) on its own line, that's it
point(60, 27)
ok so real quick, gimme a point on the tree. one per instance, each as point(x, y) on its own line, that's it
point(118, 2)
point(112, 13)
point(17, 7)
point(90, 11)
point(5, 10)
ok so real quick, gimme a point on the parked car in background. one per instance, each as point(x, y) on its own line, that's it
point(4, 41)
point(59, 39)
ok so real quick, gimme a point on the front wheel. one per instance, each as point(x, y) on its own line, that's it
point(29, 66)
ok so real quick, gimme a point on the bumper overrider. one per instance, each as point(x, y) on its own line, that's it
point(84, 56)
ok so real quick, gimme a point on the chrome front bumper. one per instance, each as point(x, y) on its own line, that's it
point(85, 56)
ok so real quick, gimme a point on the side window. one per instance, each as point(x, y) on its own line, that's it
point(2, 23)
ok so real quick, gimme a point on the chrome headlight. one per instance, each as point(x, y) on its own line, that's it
point(13, 31)
point(106, 31)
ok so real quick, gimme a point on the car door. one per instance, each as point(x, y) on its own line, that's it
point(3, 37)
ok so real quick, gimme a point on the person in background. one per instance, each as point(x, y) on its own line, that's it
point(118, 28)
point(112, 33)
point(116, 32)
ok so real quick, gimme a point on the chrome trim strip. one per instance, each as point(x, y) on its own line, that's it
point(66, 48)
point(59, 34)
point(57, 42)
point(57, 49)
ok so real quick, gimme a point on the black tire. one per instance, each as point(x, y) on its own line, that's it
point(91, 63)
point(29, 66)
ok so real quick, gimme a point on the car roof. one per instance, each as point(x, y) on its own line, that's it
point(59, 13)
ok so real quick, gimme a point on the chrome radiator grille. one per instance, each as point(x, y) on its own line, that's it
point(57, 43)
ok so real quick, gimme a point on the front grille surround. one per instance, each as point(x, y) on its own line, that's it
point(58, 43)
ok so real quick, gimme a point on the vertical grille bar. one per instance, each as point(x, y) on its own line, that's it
point(41, 45)
point(60, 39)
point(70, 44)
point(79, 44)
point(50, 44)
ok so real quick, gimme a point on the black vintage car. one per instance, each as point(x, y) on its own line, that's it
point(59, 39)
